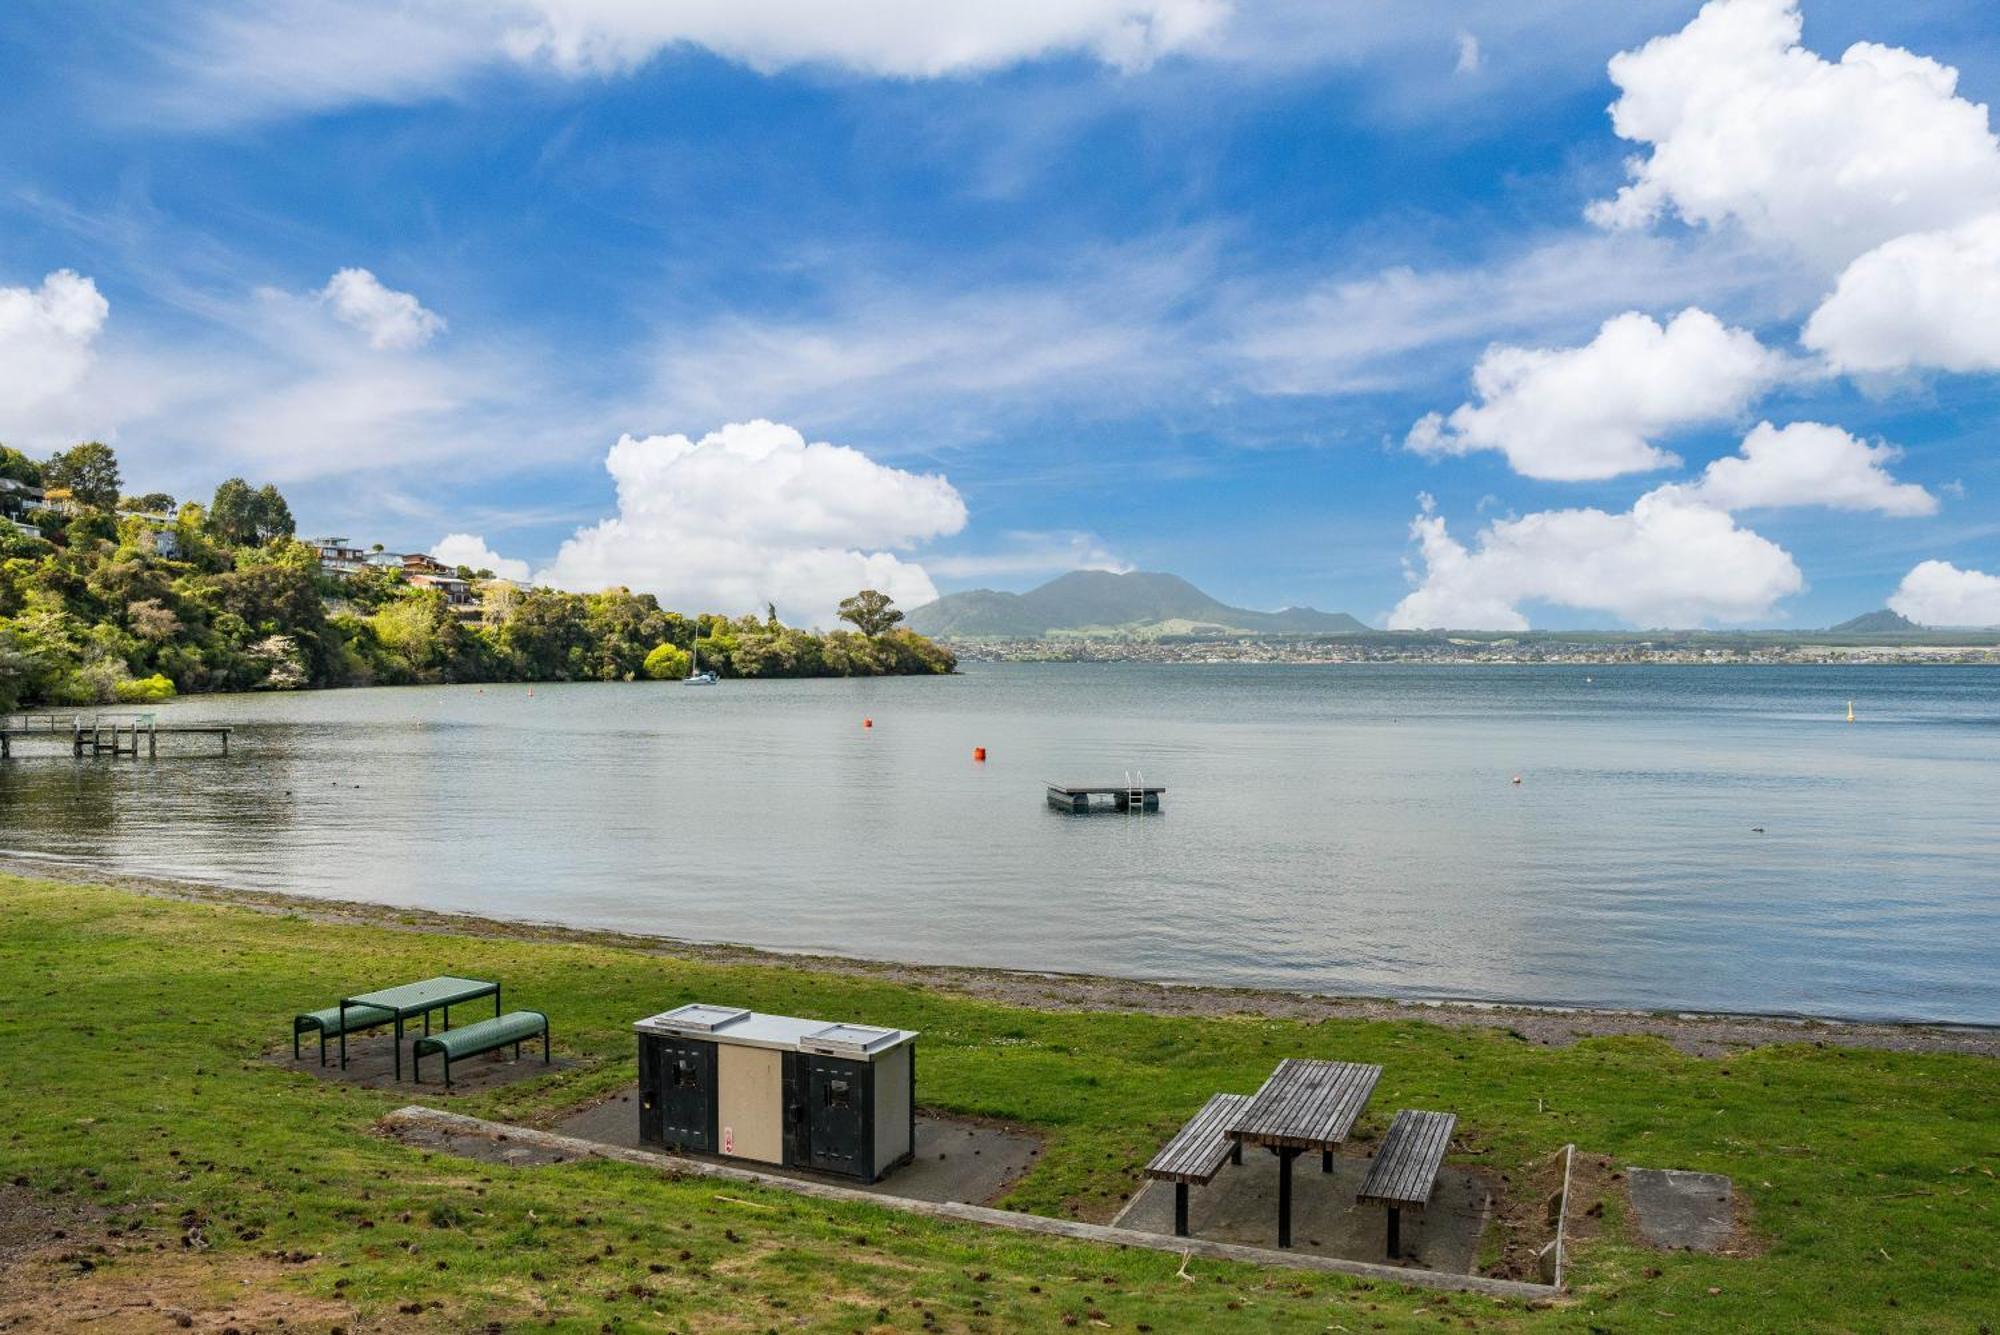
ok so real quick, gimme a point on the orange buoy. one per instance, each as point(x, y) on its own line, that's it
point(979, 753)
point(868, 723)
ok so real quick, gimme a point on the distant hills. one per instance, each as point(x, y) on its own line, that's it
point(1100, 602)
point(1883, 622)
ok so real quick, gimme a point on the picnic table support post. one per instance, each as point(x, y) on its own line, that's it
point(1180, 1209)
point(399, 1045)
point(1236, 1152)
point(1326, 1161)
point(1395, 1233)
point(496, 1001)
point(343, 1036)
point(1285, 1156)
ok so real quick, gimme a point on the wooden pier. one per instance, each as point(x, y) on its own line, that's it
point(1081, 801)
point(100, 734)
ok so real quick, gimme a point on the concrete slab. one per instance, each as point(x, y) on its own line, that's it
point(955, 1161)
point(370, 1062)
point(1681, 1210)
point(1241, 1206)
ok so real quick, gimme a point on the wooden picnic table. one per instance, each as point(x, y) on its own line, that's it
point(418, 998)
point(1306, 1105)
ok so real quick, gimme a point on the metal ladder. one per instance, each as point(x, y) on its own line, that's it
point(1135, 792)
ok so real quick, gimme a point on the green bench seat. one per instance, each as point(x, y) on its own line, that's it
point(470, 1040)
point(328, 1022)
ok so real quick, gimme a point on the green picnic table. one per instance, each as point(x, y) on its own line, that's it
point(418, 999)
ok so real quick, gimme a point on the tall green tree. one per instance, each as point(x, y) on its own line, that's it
point(870, 612)
point(19, 467)
point(89, 472)
point(241, 517)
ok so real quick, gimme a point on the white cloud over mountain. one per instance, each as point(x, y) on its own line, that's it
point(1676, 558)
point(752, 513)
point(1665, 562)
point(48, 344)
point(1576, 414)
point(1925, 300)
point(1744, 125)
point(391, 319)
point(1938, 593)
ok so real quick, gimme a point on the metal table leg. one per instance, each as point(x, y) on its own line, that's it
point(1285, 1156)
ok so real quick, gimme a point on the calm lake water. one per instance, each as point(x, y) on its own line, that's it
point(1349, 829)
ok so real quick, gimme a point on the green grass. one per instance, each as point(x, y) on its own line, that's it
point(130, 1030)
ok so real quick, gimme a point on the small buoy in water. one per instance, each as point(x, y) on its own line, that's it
point(868, 723)
point(1850, 711)
point(1756, 829)
point(979, 753)
point(1517, 778)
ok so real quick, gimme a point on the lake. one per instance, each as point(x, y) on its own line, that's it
point(1682, 837)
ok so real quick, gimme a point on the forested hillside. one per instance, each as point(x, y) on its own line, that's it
point(106, 597)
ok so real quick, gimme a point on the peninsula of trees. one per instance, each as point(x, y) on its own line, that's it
point(108, 597)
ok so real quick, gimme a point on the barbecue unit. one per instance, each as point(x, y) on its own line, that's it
point(776, 1089)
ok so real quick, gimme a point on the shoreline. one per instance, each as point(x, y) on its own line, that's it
point(1697, 1033)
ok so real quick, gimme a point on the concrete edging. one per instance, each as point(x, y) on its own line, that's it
point(437, 1120)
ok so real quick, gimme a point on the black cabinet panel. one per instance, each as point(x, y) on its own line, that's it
point(683, 1091)
point(839, 1095)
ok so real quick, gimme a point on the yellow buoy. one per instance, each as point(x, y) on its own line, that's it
point(1850, 711)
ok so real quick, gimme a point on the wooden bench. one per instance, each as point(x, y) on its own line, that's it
point(1405, 1170)
point(328, 1021)
point(516, 1027)
point(1196, 1152)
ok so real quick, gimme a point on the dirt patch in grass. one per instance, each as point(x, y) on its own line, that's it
point(1698, 1035)
point(67, 1265)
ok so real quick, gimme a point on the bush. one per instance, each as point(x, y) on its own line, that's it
point(145, 690)
point(667, 663)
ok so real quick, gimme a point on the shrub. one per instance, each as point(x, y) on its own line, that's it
point(145, 690)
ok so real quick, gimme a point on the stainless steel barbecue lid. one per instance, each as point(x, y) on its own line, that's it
point(849, 1040)
point(698, 1018)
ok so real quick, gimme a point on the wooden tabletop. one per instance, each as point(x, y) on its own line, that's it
point(1307, 1104)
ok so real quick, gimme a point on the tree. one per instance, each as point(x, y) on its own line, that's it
point(667, 663)
point(152, 503)
point(89, 472)
point(18, 467)
point(232, 515)
point(274, 517)
point(240, 517)
point(870, 612)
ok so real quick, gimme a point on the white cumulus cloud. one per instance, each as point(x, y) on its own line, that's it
point(1924, 300)
point(48, 337)
point(1577, 414)
point(751, 514)
point(1826, 158)
point(1938, 593)
point(469, 549)
point(1665, 562)
point(391, 319)
point(1807, 463)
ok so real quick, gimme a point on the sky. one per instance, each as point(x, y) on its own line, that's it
point(1481, 314)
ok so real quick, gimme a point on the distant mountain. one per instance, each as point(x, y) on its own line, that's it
point(1100, 602)
point(1883, 622)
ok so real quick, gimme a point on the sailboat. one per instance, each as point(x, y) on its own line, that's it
point(695, 676)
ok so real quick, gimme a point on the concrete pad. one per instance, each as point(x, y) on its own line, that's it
point(1681, 1210)
point(1241, 1206)
point(955, 1160)
point(371, 1062)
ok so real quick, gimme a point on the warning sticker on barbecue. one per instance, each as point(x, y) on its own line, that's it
point(729, 1140)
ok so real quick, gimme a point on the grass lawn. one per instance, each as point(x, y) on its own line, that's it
point(138, 1116)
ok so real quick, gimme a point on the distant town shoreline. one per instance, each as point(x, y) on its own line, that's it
point(1594, 648)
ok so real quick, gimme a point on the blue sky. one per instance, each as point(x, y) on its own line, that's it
point(1167, 284)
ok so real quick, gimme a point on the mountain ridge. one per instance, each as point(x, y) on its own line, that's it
point(1105, 602)
point(1878, 622)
